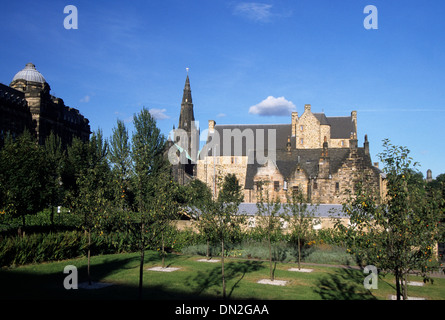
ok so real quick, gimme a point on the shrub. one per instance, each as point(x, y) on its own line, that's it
point(329, 254)
point(36, 248)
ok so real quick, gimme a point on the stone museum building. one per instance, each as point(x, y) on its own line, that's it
point(27, 104)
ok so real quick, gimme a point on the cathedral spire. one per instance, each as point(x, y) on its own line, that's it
point(187, 95)
point(186, 116)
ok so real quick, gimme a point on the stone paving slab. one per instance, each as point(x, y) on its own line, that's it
point(161, 269)
point(274, 282)
point(416, 283)
point(300, 270)
point(209, 260)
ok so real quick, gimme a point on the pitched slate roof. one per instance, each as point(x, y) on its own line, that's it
point(250, 209)
point(341, 127)
point(308, 160)
point(252, 136)
point(319, 211)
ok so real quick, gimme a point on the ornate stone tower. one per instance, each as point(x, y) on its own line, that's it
point(186, 116)
point(183, 172)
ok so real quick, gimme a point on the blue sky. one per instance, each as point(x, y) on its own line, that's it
point(126, 55)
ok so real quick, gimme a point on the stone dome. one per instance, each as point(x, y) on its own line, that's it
point(29, 73)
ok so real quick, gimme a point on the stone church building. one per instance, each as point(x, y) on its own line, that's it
point(312, 153)
point(27, 104)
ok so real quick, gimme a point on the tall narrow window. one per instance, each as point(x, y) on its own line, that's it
point(276, 185)
point(337, 186)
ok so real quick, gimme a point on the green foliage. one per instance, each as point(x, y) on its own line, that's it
point(24, 177)
point(37, 248)
point(396, 234)
point(231, 190)
point(269, 219)
point(120, 159)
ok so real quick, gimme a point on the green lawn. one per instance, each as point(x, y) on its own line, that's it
point(199, 280)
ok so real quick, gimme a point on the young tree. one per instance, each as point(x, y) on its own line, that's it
point(120, 159)
point(300, 218)
point(164, 209)
point(396, 234)
point(222, 218)
point(197, 195)
point(148, 158)
point(93, 187)
point(24, 177)
point(55, 157)
point(268, 218)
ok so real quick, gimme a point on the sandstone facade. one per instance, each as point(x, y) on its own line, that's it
point(314, 154)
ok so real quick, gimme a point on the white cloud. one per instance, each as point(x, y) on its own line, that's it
point(85, 99)
point(254, 11)
point(221, 115)
point(272, 106)
point(159, 114)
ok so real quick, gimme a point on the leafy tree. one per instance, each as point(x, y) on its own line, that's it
point(437, 187)
point(197, 194)
point(120, 159)
point(221, 217)
point(24, 177)
point(301, 218)
point(55, 156)
point(396, 234)
point(164, 209)
point(231, 190)
point(148, 158)
point(75, 164)
point(268, 218)
point(93, 186)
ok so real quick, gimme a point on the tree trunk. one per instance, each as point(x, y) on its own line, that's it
point(163, 253)
point(222, 269)
point(89, 254)
point(141, 265)
point(299, 253)
point(270, 260)
point(404, 286)
point(208, 250)
point(397, 284)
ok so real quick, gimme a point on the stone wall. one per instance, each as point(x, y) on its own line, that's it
point(308, 130)
point(211, 170)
